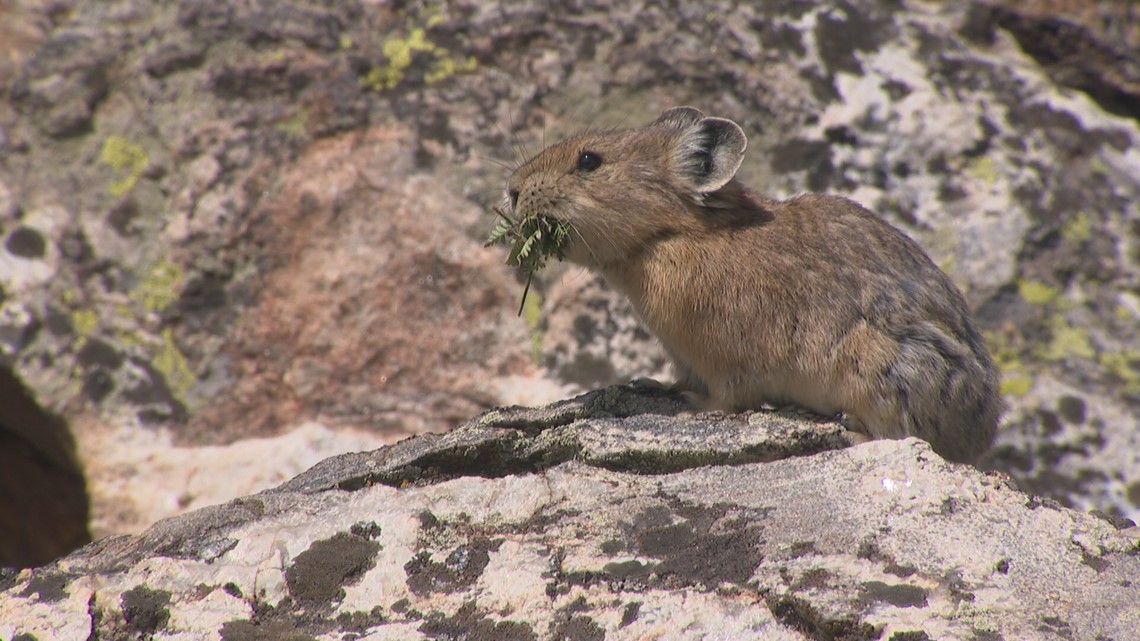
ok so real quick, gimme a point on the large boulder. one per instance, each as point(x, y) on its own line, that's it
point(227, 221)
point(608, 516)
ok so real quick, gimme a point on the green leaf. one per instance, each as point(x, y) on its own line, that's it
point(499, 233)
point(532, 241)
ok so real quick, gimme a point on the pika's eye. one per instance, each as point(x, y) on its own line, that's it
point(514, 195)
point(589, 161)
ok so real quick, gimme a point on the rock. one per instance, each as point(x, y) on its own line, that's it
point(43, 497)
point(223, 222)
point(1090, 47)
point(138, 477)
point(21, 33)
point(607, 516)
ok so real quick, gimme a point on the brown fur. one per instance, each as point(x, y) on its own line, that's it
point(812, 301)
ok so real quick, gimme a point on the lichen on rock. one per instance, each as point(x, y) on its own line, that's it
point(616, 515)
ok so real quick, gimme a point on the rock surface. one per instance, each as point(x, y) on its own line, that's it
point(226, 221)
point(607, 516)
point(44, 505)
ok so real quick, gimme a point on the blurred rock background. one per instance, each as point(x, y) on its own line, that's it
point(236, 238)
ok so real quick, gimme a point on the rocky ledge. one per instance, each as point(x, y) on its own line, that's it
point(613, 515)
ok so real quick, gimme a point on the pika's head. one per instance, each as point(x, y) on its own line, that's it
point(621, 191)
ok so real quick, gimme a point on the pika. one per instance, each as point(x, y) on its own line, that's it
point(813, 301)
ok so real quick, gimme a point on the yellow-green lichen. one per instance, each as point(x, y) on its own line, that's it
point(946, 265)
point(1077, 230)
point(1015, 378)
point(445, 66)
point(271, 57)
point(127, 159)
point(131, 339)
point(85, 322)
point(346, 41)
point(1015, 385)
point(1098, 165)
point(1124, 365)
point(158, 288)
point(983, 168)
point(399, 50)
point(532, 316)
point(172, 363)
point(295, 125)
point(376, 79)
point(1067, 342)
point(1037, 293)
point(999, 348)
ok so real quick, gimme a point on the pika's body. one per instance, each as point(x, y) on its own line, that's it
point(812, 301)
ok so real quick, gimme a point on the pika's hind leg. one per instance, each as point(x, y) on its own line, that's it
point(933, 387)
point(688, 383)
point(947, 391)
point(863, 391)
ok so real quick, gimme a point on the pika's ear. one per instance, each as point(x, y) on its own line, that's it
point(709, 153)
point(679, 118)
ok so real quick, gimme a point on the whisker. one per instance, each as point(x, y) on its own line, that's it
point(521, 152)
point(498, 162)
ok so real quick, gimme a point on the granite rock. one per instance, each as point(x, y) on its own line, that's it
point(612, 515)
point(225, 221)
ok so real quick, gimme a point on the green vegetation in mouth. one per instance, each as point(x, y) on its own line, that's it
point(532, 240)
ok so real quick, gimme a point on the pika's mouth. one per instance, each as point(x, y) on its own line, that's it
point(532, 240)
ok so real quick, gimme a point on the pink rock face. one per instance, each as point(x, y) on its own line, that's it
point(379, 309)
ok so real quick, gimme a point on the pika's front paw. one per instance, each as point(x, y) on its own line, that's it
point(646, 383)
point(698, 400)
point(709, 403)
point(856, 431)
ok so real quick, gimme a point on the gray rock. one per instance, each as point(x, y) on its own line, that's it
point(221, 220)
point(607, 516)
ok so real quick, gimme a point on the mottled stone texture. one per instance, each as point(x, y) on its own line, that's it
point(607, 516)
point(222, 220)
